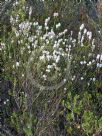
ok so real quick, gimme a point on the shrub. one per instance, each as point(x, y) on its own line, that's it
point(49, 68)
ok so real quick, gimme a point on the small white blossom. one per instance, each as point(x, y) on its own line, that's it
point(22, 75)
point(50, 66)
point(42, 57)
point(46, 21)
point(44, 77)
point(98, 57)
point(85, 62)
point(94, 79)
point(99, 65)
point(58, 25)
point(65, 89)
point(82, 78)
point(85, 31)
point(7, 100)
point(30, 11)
point(35, 24)
point(48, 70)
point(55, 14)
point(4, 102)
point(81, 62)
point(65, 31)
point(17, 64)
point(81, 27)
point(65, 80)
point(89, 34)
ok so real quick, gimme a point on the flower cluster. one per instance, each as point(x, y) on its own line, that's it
point(50, 49)
point(83, 34)
point(54, 49)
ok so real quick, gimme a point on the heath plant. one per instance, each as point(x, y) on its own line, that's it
point(48, 67)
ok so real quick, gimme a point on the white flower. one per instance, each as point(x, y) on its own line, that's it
point(45, 77)
point(67, 49)
point(39, 27)
point(11, 19)
point(50, 66)
point(42, 57)
point(94, 79)
point(13, 66)
point(81, 27)
point(81, 62)
point(79, 36)
point(48, 70)
point(93, 61)
point(49, 57)
point(55, 14)
point(89, 34)
point(99, 65)
point(47, 41)
point(35, 23)
point(85, 31)
point(51, 34)
point(90, 62)
point(65, 89)
point(54, 64)
point(101, 58)
point(65, 31)
point(57, 59)
point(84, 62)
point(56, 46)
point(93, 47)
point(22, 75)
point(28, 46)
point(82, 78)
point(64, 80)
point(31, 39)
point(17, 33)
point(29, 52)
point(64, 43)
point(46, 21)
point(71, 33)
point(46, 27)
point(59, 74)
point(30, 11)
point(4, 102)
point(82, 39)
point(98, 57)
point(93, 41)
point(99, 32)
point(7, 100)
point(60, 40)
point(73, 78)
point(58, 25)
point(25, 25)
point(17, 64)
